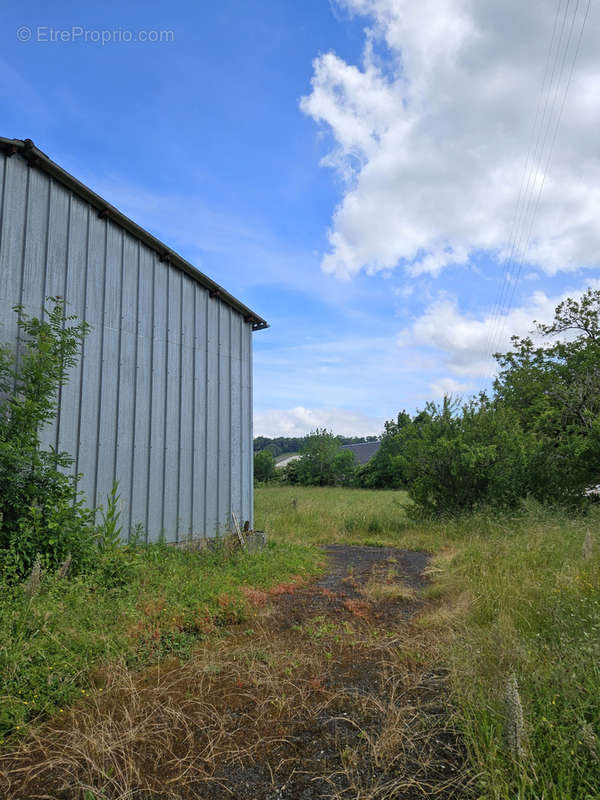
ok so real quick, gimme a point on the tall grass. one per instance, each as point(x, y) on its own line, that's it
point(513, 597)
point(325, 515)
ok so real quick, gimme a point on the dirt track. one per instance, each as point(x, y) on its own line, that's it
point(329, 694)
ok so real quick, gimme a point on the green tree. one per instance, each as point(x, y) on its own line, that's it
point(554, 389)
point(264, 466)
point(323, 462)
point(39, 509)
point(386, 468)
point(456, 457)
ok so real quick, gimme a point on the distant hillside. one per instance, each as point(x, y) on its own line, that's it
point(290, 445)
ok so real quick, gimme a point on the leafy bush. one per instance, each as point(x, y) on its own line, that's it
point(554, 390)
point(264, 466)
point(40, 513)
point(459, 457)
point(323, 462)
point(386, 468)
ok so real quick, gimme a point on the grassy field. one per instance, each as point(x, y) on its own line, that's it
point(512, 599)
point(512, 612)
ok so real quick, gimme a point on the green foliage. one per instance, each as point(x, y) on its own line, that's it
point(386, 468)
point(54, 531)
point(538, 436)
point(554, 390)
point(534, 611)
point(109, 532)
point(39, 509)
point(278, 445)
point(331, 515)
point(289, 473)
point(264, 466)
point(458, 457)
point(323, 462)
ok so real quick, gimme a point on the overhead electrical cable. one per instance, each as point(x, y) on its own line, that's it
point(525, 180)
point(538, 161)
point(546, 169)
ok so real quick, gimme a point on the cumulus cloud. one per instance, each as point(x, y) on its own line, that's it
point(431, 133)
point(448, 386)
point(466, 340)
point(299, 421)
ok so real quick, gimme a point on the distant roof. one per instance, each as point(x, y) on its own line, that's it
point(363, 451)
point(36, 158)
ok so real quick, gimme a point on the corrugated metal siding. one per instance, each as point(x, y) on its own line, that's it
point(161, 397)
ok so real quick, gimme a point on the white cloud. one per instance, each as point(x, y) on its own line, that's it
point(448, 386)
point(300, 421)
point(466, 340)
point(432, 140)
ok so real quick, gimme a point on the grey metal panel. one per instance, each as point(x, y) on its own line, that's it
point(211, 519)
point(172, 407)
point(59, 211)
point(108, 418)
point(74, 289)
point(224, 419)
point(250, 437)
point(187, 421)
point(126, 386)
point(36, 242)
point(143, 416)
point(91, 385)
point(157, 408)
point(12, 235)
point(161, 398)
point(235, 459)
point(200, 410)
point(246, 455)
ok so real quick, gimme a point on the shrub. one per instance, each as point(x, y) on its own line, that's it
point(264, 466)
point(323, 462)
point(40, 513)
point(459, 457)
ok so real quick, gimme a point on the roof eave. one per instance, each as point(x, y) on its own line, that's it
point(36, 158)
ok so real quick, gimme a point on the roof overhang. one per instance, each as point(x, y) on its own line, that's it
point(36, 158)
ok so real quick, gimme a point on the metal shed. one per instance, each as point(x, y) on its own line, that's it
point(161, 398)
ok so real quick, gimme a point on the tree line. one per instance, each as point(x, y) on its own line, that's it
point(537, 434)
point(293, 444)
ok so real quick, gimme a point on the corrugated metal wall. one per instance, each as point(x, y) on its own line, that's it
point(161, 398)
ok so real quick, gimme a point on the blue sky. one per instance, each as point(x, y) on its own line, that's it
point(358, 172)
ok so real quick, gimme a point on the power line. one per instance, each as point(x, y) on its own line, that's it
point(525, 180)
point(539, 158)
point(551, 150)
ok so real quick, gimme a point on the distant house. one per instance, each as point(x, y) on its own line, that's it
point(363, 451)
point(285, 461)
point(161, 397)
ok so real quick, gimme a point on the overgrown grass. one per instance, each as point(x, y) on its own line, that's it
point(533, 610)
point(55, 645)
point(325, 515)
point(511, 595)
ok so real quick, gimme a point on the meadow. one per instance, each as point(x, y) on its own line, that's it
point(511, 617)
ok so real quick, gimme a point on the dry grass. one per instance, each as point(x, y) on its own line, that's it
point(379, 591)
point(357, 717)
point(168, 727)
